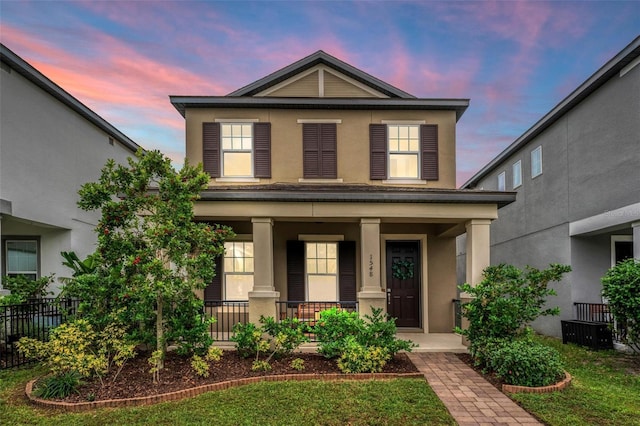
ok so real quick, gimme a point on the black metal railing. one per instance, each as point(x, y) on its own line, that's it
point(599, 312)
point(227, 313)
point(309, 311)
point(34, 319)
point(457, 313)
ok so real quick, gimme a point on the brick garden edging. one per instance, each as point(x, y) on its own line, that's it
point(540, 389)
point(189, 393)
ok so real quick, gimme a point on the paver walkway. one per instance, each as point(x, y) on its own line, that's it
point(470, 399)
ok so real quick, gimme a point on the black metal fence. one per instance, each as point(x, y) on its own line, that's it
point(599, 312)
point(34, 319)
point(309, 312)
point(227, 313)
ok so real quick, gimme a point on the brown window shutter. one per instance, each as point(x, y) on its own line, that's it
point(211, 148)
point(295, 270)
point(347, 270)
point(378, 151)
point(329, 151)
point(214, 290)
point(310, 150)
point(319, 150)
point(429, 148)
point(262, 150)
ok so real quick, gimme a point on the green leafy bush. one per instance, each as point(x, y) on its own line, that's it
point(297, 364)
point(213, 354)
point(359, 358)
point(286, 335)
point(506, 301)
point(58, 386)
point(23, 288)
point(247, 338)
point(260, 365)
point(621, 287)
point(200, 366)
point(526, 363)
point(336, 327)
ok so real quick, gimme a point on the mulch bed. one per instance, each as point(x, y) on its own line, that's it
point(136, 381)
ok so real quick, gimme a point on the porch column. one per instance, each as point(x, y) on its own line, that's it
point(371, 294)
point(636, 240)
point(478, 257)
point(263, 297)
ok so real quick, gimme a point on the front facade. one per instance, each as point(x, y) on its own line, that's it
point(577, 177)
point(50, 145)
point(341, 189)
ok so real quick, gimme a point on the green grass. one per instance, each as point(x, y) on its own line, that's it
point(393, 402)
point(605, 389)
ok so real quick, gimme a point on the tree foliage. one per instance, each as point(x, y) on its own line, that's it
point(151, 254)
point(621, 287)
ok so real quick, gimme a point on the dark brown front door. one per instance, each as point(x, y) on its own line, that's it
point(403, 282)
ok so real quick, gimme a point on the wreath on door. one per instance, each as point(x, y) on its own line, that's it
point(402, 269)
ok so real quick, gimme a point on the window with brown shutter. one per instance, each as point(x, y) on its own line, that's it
point(429, 148)
point(378, 151)
point(262, 150)
point(319, 150)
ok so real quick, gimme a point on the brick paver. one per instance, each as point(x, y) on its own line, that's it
point(470, 399)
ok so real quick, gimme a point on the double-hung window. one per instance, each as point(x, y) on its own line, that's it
point(404, 151)
point(237, 150)
point(501, 182)
point(517, 174)
point(536, 162)
point(322, 271)
point(21, 258)
point(238, 269)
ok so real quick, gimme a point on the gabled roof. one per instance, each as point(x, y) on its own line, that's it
point(629, 56)
point(317, 58)
point(250, 96)
point(19, 65)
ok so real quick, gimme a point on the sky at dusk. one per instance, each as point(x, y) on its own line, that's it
point(514, 60)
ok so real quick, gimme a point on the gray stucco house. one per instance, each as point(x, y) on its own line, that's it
point(50, 144)
point(576, 173)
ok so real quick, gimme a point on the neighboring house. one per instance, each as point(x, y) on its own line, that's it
point(577, 177)
point(50, 144)
point(333, 180)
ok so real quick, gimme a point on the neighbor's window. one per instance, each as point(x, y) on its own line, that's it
point(517, 174)
point(404, 151)
point(21, 258)
point(322, 271)
point(238, 270)
point(536, 162)
point(501, 181)
point(237, 141)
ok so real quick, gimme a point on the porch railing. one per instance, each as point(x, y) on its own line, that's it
point(599, 312)
point(227, 313)
point(34, 319)
point(309, 312)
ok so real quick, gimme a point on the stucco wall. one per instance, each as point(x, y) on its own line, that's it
point(352, 137)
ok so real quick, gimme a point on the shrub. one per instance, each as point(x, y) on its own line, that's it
point(621, 287)
point(213, 354)
point(247, 337)
point(506, 300)
point(286, 335)
point(526, 363)
point(380, 331)
point(58, 386)
point(200, 366)
point(297, 364)
point(260, 365)
point(23, 288)
point(359, 358)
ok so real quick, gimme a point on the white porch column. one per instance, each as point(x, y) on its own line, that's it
point(371, 294)
point(263, 297)
point(478, 249)
point(636, 240)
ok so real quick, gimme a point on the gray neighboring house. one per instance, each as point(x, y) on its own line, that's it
point(50, 144)
point(577, 177)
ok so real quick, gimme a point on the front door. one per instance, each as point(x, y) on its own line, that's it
point(403, 282)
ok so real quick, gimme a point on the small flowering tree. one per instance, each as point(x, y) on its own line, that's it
point(151, 253)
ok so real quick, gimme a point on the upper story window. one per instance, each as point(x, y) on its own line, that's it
point(403, 151)
point(238, 269)
point(536, 162)
point(21, 258)
point(517, 174)
point(236, 149)
point(319, 147)
point(501, 181)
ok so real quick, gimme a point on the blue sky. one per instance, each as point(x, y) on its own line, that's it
point(515, 60)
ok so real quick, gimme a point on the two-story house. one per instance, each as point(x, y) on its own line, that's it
point(577, 177)
point(341, 188)
point(50, 144)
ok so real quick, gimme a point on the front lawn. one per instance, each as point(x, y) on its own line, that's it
point(393, 402)
point(605, 389)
